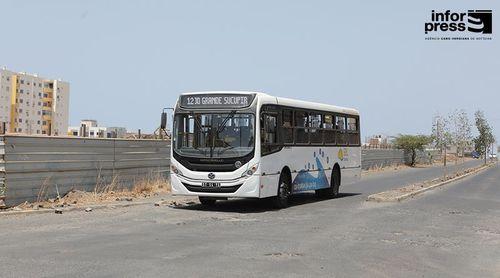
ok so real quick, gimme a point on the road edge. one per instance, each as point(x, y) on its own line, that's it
point(376, 198)
point(113, 205)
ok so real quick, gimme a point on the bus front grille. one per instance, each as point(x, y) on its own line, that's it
point(222, 189)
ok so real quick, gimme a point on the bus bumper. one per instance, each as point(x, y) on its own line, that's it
point(247, 187)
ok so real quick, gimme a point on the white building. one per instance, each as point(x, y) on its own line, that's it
point(90, 128)
point(33, 105)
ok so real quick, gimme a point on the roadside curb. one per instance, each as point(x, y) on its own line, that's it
point(377, 198)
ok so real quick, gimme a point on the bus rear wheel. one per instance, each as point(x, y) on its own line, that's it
point(281, 199)
point(333, 190)
point(207, 201)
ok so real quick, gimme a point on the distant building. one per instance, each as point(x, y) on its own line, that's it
point(33, 105)
point(378, 141)
point(90, 128)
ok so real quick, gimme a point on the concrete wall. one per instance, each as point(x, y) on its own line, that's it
point(60, 164)
point(373, 158)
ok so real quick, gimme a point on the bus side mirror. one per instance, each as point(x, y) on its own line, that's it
point(163, 123)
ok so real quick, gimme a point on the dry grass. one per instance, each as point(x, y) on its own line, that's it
point(103, 192)
point(379, 168)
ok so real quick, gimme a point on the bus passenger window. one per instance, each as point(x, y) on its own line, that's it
point(301, 136)
point(340, 123)
point(352, 127)
point(329, 132)
point(268, 133)
point(315, 122)
point(340, 134)
point(287, 126)
point(351, 124)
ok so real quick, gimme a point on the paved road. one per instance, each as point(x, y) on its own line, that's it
point(453, 231)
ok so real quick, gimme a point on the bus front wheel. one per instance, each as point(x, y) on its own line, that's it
point(281, 199)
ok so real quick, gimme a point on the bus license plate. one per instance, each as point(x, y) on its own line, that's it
point(210, 184)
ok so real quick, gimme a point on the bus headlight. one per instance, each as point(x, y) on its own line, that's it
point(251, 170)
point(175, 170)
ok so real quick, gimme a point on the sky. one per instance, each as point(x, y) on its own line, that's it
point(126, 60)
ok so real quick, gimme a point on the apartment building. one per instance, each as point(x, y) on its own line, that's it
point(33, 105)
point(90, 128)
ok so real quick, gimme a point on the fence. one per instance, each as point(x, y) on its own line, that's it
point(373, 158)
point(57, 164)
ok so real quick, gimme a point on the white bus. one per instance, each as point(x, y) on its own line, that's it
point(253, 145)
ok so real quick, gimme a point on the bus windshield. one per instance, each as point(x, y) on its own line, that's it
point(214, 135)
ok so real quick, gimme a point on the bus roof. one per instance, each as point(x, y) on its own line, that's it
point(268, 99)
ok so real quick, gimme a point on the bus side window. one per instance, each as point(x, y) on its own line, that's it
point(301, 133)
point(353, 132)
point(287, 126)
point(315, 122)
point(329, 132)
point(268, 130)
point(340, 126)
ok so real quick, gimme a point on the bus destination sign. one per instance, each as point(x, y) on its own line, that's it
point(216, 100)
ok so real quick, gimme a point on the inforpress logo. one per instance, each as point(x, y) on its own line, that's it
point(480, 21)
point(472, 22)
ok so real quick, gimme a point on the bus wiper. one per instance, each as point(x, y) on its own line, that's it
point(225, 149)
point(220, 128)
point(222, 125)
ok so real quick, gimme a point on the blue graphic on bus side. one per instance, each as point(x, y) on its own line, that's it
point(305, 181)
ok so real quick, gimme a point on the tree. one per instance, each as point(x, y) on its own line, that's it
point(485, 138)
point(412, 144)
point(461, 130)
point(441, 134)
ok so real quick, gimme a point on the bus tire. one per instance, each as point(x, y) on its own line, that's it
point(207, 201)
point(283, 195)
point(333, 190)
